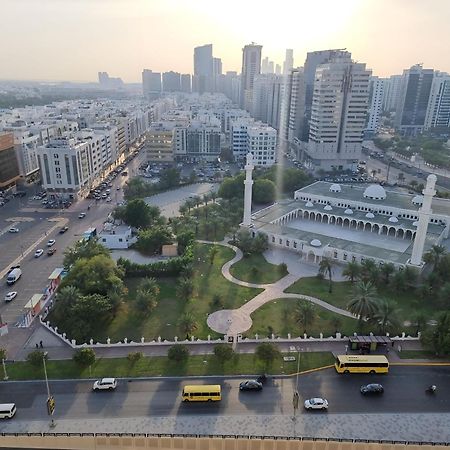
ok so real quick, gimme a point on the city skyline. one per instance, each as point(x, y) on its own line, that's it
point(161, 36)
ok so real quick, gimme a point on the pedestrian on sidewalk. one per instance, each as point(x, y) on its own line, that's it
point(346, 349)
point(41, 344)
point(37, 345)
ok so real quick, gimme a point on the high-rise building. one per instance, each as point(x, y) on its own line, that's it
point(270, 67)
point(392, 93)
point(151, 83)
point(296, 110)
point(338, 114)
point(413, 103)
point(251, 66)
point(203, 69)
point(171, 82)
point(103, 78)
point(288, 61)
point(266, 101)
point(108, 82)
point(217, 73)
point(277, 69)
point(265, 65)
point(438, 111)
point(376, 96)
point(9, 167)
point(186, 83)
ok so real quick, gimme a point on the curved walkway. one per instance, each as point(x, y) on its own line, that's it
point(236, 321)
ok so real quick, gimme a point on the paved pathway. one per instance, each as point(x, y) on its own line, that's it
point(236, 321)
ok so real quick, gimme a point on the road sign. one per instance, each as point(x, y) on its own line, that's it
point(51, 405)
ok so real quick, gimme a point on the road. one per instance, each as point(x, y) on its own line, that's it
point(404, 392)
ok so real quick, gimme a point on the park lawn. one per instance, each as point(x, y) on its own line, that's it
point(278, 317)
point(420, 354)
point(255, 269)
point(198, 365)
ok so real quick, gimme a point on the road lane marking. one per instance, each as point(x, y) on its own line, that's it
point(5, 230)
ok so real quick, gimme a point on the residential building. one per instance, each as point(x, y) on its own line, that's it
point(108, 82)
point(9, 167)
point(376, 97)
point(116, 236)
point(158, 145)
point(186, 83)
point(265, 65)
point(413, 102)
point(171, 82)
point(251, 66)
point(203, 69)
point(392, 93)
point(277, 69)
point(288, 61)
point(151, 83)
point(266, 100)
point(438, 110)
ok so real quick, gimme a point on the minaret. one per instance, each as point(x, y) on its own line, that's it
point(248, 183)
point(424, 218)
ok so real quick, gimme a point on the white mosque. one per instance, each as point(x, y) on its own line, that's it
point(353, 222)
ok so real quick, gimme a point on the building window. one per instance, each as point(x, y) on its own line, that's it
point(280, 241)
point(345, 257)
point(335, 254)
point(273, 238)
point(103, 239)
point(295, 244)
point(120, 240)
point(287, 243)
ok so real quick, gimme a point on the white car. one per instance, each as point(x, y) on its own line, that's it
point(108, 199)
point(316, 403)
point(82, 215)
point(10, 296)
point(105, 384)
point(39, 252)
point(51, 242)
point(13, 230)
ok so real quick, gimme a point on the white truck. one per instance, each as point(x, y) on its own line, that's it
point(13, 275)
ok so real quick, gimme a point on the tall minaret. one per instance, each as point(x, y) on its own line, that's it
point(424, 218)
point(248, 183)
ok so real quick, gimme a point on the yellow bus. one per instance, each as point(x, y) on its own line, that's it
point(201, 393)
point(361, 364)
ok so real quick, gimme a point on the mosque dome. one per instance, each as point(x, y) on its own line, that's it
point(328, 208)
point(335, 188)
point(348, 211)
point(309, 205)
point(316, 243)
point(370, 215)
point(393, 219)
point(375, 192)
point(417, 200)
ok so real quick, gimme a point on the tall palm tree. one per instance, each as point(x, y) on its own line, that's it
point(187, 323)
point(363, 302)
point(434, 255)
point(185, 288)
point(67, 296)
point(149, 285)
point(206, 198)
point(326, 268)
point(213, 196)
point(386, 315)
point(387, 270)
point(369, 271)
point(352, 271)
point(304, 314)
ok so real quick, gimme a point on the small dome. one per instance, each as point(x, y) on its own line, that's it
point(335, 188)
point(375, 192)
point(328, 208)
point(370, 215)
point(348, 211)
point(393, 219)
point(416, 223)
point(309, 205)
point(316, 243)
point(417, 200)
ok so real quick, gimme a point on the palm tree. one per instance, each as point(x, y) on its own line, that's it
point(434, 255)
point(363, 302)
point(386, 270)
point(184, 209)
point(146, 301)
point(420, 321)
point(206, 198)
point(386, 315)
point(149, 285)
point(369, 271)
point(325, 268)
point(187, 324)
point(352, 271)
point(185, 288)
point(213, 196)
point(304, 314)
point(68, 296)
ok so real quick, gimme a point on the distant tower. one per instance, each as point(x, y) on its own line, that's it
point(424, 218)
point(248, 183)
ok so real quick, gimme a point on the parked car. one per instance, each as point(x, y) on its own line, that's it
point(10, 296)
point(51, 251)
point(13, 230)
point(63, 230)
point(316, 403)
point(82, 215)
point(39, 252)
point(50, 242)
point(373, 388)
point(105, 384)
point(250, 385)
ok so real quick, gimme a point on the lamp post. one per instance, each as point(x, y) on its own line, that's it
point(296, 396)
point(5, 377)
point(50, 400)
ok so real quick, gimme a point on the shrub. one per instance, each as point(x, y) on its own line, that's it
point(267, 353)
point(2, 353)
point(178, 353)
point(36, 357)
point(282, 268)
point(223, 352)
point(84, 357)
point(134, 357)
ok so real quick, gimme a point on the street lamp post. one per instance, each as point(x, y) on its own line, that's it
point(49, 397)
point(5, 377)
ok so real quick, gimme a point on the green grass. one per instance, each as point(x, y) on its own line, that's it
point(241, 364)
point(419, 354)
point(278, 317)
point(255, 269)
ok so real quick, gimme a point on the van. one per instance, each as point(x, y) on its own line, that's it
point(13, 276)
point(201, 393)
point(7, 410)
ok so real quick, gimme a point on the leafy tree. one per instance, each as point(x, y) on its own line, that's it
point(136, 187)
point(326, 269)
point(267, 352)
point(434, 255)
point(187, 324)
point(438, 338)
point(245, 242)
point(84, 357)
point(67, 296)
point(84, 250)
point(352, 271)
point(147, 296)
point(232, 187)
point(305, 314)
point(138, 214)
point(363, 302)
point(386, 315)
point(260, 243)
point(223, 352)
point(185, 288)
point(169, 178)
point(420, 321)
point(36, 357)
point(134, 357)
point(212, 253)
point(151, 241)
point(179, 353)
point(263, 191)
point(3, 353)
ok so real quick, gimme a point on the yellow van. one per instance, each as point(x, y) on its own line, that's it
point(201, 393)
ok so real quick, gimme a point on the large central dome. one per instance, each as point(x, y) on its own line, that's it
point(375, 192)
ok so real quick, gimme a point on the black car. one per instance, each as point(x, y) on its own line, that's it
point(373, 388)
point(63, 230)
point(250, 385)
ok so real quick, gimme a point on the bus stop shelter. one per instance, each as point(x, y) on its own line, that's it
point(367, 344)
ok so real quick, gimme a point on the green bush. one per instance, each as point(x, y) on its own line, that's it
point(134, 357)
point(178, 353)
point(36, 357)
point(84, 357)
point(223, 352)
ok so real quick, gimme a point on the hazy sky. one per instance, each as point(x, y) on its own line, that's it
point(74, 39)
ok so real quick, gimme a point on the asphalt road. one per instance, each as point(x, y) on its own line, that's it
point(404, 392)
